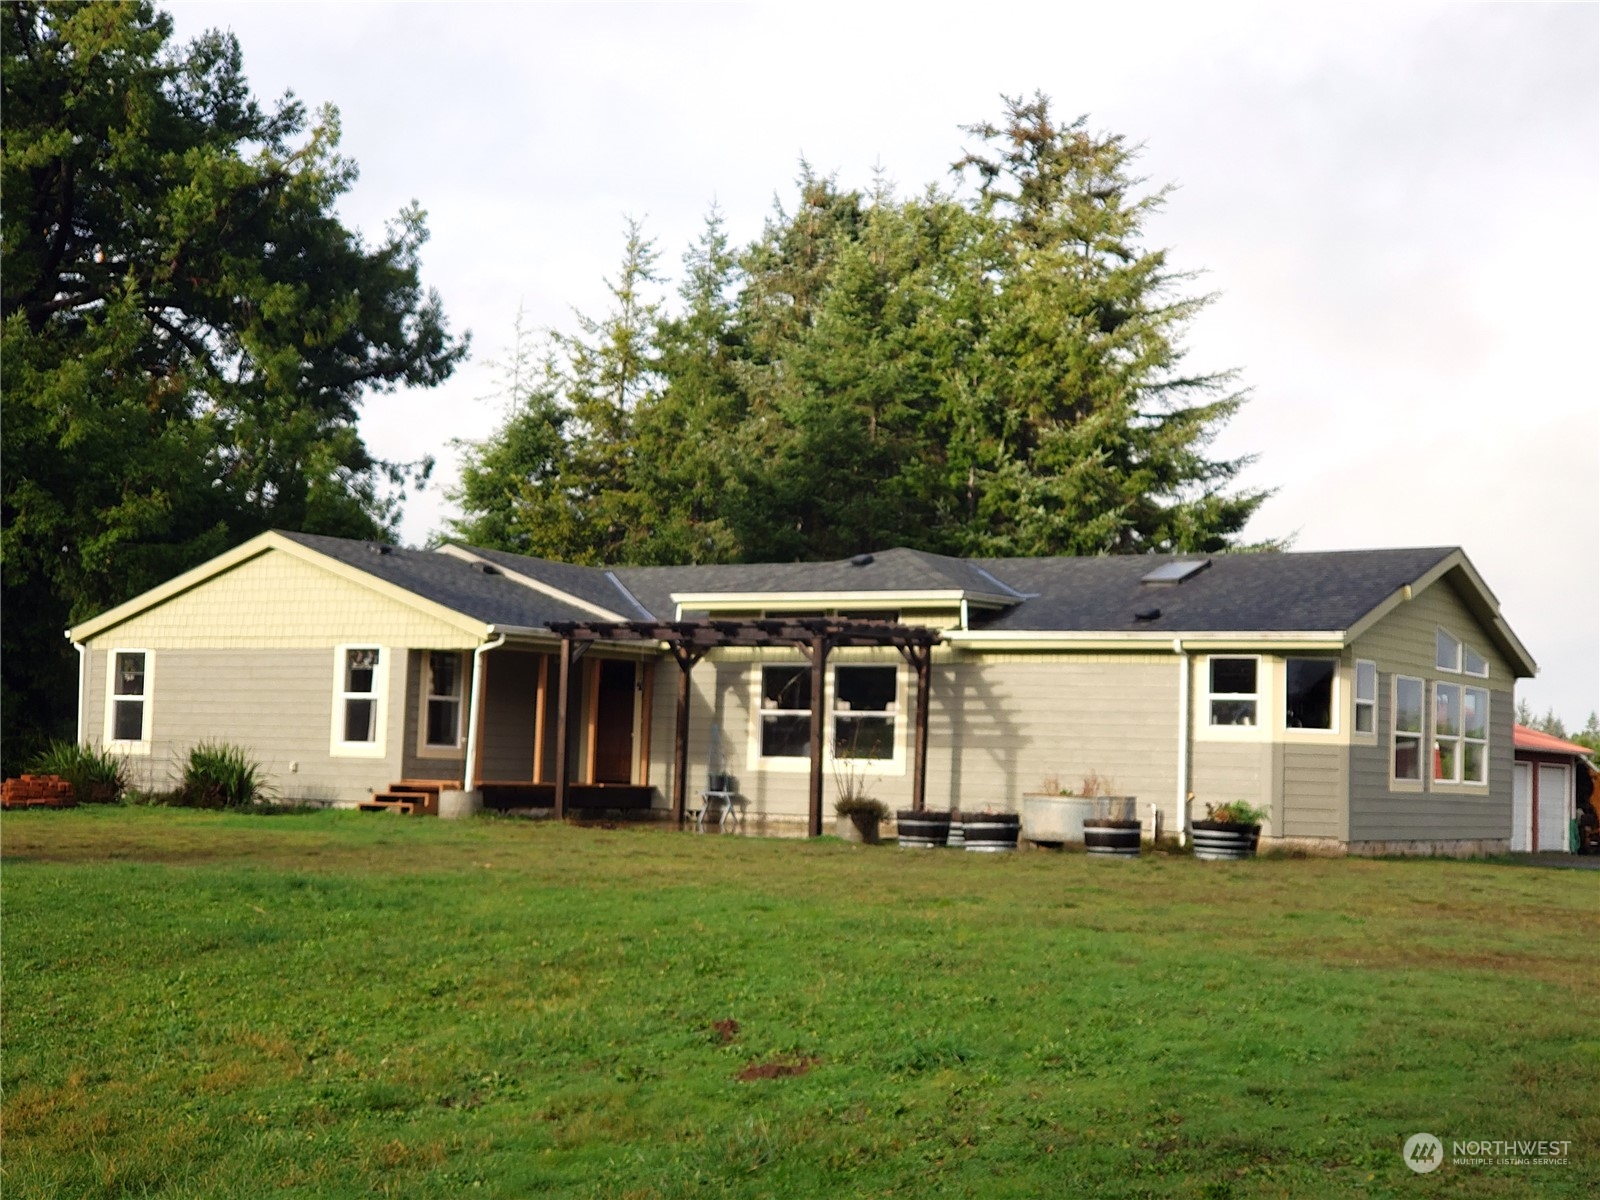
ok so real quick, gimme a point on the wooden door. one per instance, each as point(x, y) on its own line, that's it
point(613, 722)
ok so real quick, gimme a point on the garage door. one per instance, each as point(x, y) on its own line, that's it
point(1522, 807)
point(1555, 806)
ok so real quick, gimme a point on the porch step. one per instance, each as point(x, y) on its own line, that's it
point(408, 797)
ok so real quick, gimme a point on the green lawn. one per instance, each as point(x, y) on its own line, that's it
point(209, 1005)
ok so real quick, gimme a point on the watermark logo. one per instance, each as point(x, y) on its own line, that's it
point(1423, 1152)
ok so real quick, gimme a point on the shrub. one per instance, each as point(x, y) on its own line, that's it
point(861, 806)
point(96, 776)
point(1237, 812)
point(218, 775)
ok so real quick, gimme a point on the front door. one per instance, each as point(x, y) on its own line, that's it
point(613, 722)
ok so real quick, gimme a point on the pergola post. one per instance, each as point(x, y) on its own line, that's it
point(920, 658)
point(819, 681)
point(686, 659)
point(563, 698)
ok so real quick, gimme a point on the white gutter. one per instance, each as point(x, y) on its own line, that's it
point(964, 615)
point(474, 715)
point(1183, 739)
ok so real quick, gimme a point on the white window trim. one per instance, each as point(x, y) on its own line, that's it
point(756, 761)
point(1293, 733)
point(1465, 670)
point(425, 748)
point(1461, 784)
point(1421, 735)
point(1370, 737)
point(1265, 700)
point(1460, 648)
point(337, 746)
point(110, 741)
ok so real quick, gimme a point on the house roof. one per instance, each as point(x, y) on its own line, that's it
point(1326, 597)
point(458, 584)
point(1523, 738)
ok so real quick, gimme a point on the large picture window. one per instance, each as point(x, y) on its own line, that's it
point(443, 679)
point(1460, 734)
point(1308, 693)
point(1233, 695)
point(785, 712)
point(1474, 735)
point(863, 712)
point(1407, 729)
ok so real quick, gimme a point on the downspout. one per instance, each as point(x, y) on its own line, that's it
point(83, 685)
point(1183, 740)
point(469, 769)
point(964, 615)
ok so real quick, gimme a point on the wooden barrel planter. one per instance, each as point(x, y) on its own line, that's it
point(989, 833)
point(958, 832)
point(1111, 839)
point(1218, 841)
point(922, 830)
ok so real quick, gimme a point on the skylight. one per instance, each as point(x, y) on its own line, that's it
point(1176, 572)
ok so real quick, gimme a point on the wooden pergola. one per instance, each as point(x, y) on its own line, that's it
point(690, 641)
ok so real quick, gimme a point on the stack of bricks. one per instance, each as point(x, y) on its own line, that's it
point(37, 791)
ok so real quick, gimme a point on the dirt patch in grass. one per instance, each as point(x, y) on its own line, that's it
point(726, 1031)
point(776, 1068)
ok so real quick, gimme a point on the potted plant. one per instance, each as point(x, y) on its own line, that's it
point(987, 832)
point(922, 828)
point(1231, 830)
point(856, 814)
point(1054, 815)
point(1114, 830)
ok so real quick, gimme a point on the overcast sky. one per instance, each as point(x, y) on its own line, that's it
point(1397, 206)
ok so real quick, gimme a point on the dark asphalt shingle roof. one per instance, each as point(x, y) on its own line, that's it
point(445, 579)
point(1237, 592)
point(1319, 591)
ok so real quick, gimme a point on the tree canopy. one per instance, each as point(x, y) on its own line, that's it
point(189, 330)
point(998, 372)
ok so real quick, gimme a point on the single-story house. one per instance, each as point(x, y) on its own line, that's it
point(1547, 775)
point(1363, 698)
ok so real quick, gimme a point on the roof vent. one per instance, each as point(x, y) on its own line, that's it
point(861, 560)
point(486, 568)
point(1147, 614)
point(380, 548)
point(1168, 574)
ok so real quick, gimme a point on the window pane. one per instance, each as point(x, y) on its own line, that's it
point(864, 689)
point(1366, 717)
point(1233, 676)
point(444, 674)
point(1408, 706)
point(130, 675)
point(360, 720)
point(1447, 652)
point(1475, 713)
point(1366, 680)
point(1475, 762)
point(128, 721)
point(443, 722)
point(1446, 710)
point(786, 687)
point(360, 668)
point(786, 736)
point(863, 737)
point(1474, 662)
point(1233, 712)
point(1446, 761)
point(1408, 758)
point(1308, 699)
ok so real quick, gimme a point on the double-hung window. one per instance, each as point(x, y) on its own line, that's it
point(358, 701)
point(785, 712)
point(1408, 693)
point(1233, 692)
point(128, 701)
point(442, 702)
point(863, 712)
point(1366, 696)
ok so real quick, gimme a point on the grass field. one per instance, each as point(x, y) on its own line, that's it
point(209, 1005)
